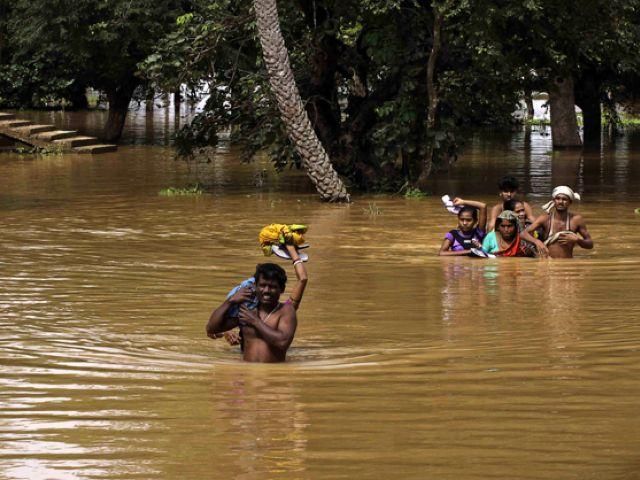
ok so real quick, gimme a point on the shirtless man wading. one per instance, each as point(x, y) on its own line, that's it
point(562, 230)
point(267, 330)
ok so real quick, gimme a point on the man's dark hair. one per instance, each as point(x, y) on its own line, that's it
point(508, 184)
point(271, 271)
point(472, 210)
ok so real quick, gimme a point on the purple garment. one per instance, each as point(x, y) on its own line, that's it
point(454, 236)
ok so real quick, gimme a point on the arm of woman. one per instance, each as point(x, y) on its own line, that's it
point(445, 252)
point(493, 216)
point(482, 209)
point(301, 274)
point(529, 211)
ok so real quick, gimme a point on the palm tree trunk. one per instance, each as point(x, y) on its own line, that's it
point(301, 133)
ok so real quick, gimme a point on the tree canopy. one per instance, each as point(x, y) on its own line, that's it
point(361, 67)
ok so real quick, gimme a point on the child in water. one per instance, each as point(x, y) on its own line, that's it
point(509, 187)
point(472, 219)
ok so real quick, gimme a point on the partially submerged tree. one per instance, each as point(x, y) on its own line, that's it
point(314, 157)
point(68, 45)
point(361, 69)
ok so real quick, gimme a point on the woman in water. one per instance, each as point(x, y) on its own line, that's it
point(505, 240)
point(470, 231)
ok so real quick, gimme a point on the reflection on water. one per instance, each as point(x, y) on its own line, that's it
point(405, 364)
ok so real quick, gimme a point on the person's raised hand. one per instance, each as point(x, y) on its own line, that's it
point(458, 202)
point(243, 294)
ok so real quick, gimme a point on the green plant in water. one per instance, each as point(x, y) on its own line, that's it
point(372, 210)
point(191, 190)
point(414, 193)
point(42, 151)
point(48, 151)
point(25, 150)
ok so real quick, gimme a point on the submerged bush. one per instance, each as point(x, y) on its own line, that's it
point(190, 190)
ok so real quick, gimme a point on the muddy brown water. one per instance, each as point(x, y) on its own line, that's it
point(405, 365)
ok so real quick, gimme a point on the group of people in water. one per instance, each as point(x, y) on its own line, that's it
point(512, 230)
point(266, 326)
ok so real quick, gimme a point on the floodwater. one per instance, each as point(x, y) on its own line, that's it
point(405, 365)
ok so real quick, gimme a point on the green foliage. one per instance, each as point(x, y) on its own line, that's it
point(360, 65)
point(191, 190)
point(67, 45)
point(415, 193)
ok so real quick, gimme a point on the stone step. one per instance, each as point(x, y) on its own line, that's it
point(15, 123)
point(100, 148)
point(80, 141)
point(56, 135)
point(33, 129)
point(6, 116)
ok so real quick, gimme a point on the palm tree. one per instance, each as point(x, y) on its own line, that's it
point(301, 133)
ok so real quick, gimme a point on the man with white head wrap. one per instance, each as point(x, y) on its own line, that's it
point(562, 230)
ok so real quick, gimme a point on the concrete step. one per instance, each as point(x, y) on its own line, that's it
point(100, 148)
point(6, 116)
point(15, 123)
point(80, 141)
point(56, 135)
point(33, 129)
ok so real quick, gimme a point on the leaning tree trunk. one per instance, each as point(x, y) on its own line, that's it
point(564, 124)
point(301, 133)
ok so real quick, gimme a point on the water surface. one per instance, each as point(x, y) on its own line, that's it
point(405, 365)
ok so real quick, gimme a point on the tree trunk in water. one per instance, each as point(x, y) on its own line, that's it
point(118, 106)
point(177, 98)
point(564, 124)
point(150, 99)
point(301, 133)
point(592, 121)
point(528, 100)
point(432, 92)
point(78, 98)
point(588, 99)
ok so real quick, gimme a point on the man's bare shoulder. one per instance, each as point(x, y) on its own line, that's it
point(541, 219)
point(287, 310)
point(577, 220)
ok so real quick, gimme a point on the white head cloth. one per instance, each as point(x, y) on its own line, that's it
point(561, 190)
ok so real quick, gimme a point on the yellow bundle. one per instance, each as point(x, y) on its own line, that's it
point(280, 234)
